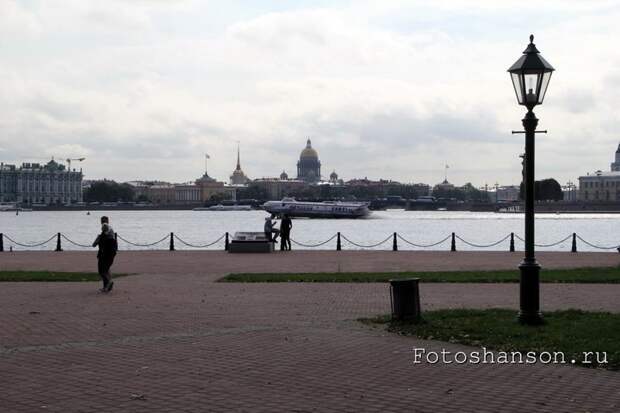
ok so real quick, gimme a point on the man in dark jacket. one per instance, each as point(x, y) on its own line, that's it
point(106, 241)
point(285, 233)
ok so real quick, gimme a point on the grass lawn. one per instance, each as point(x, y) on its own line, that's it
point(579, 275)
point(571, 332)
point(51, 276)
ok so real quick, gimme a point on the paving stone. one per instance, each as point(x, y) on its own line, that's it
point(171, 339)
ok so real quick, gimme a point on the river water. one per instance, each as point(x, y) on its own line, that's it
point(203, 227)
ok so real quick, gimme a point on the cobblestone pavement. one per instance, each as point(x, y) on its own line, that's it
point(171, 339)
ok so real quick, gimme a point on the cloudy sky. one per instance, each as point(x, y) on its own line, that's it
point(385, 89)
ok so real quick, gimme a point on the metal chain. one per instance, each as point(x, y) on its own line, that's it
point(545, 245)
point(484, 246)
point(424, 246)
point(143, 245)
point(366, 246)
point(29, 245)
point(199, 246)
point(313, 245)
point(75, 243)
point(598, 246)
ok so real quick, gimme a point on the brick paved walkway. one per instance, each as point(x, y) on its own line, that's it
point(177, 341)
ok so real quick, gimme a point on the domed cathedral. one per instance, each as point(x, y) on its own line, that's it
point(309, 166)
point(238, 177)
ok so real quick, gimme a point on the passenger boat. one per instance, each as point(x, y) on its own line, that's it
point(221, 207)
point(327, 209)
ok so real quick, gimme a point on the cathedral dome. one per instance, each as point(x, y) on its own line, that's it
point(284, 176)
point(309, 152)
point(333, 176)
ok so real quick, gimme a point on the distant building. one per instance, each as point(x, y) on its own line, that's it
point(309, 166)
point(508, 193)
point(284, 176)
point(187, 194)
point(238, 177)
point(601, 186)
point(370, 189)
point(33, 183)
point(333, 177)
point(277, 189)
point(161, 193)
point(444, 186)
point(615, 166)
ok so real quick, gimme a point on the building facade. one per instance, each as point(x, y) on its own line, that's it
point(33, 183)
point(615, 166)
point(277, 189)
point(309, 166)
point(601, 186)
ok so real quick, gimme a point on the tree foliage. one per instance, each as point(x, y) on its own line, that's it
point(108, 191)
point(467, 192)
point(545, 190)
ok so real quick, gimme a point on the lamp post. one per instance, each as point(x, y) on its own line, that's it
point(530, 76)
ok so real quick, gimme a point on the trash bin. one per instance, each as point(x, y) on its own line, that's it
point(405, 299)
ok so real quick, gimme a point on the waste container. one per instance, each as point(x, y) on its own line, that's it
point(405, 299)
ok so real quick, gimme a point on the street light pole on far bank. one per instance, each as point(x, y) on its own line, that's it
point(530, 76)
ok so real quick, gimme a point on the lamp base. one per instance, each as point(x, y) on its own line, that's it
point(529, 287)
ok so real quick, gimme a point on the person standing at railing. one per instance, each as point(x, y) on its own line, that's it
point(105, 256)
point(285, 233)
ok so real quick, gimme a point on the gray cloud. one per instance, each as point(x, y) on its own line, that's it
point(145, 88)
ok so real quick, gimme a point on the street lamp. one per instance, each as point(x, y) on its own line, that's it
point(530, 77)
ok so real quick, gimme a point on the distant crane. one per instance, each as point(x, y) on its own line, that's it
point(72, 159)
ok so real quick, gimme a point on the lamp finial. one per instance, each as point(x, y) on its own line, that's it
point(531, 38)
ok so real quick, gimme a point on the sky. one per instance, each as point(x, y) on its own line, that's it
point(385, 89)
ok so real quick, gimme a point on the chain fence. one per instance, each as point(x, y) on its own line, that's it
point(599, 247)
point(39, 244)
point(553, 244)
point(471, 244)
point(320, 244)
point(367, 246)
point(196, 245)
point(75, 243)
point(135, 244)
point(340, 240)
point(423, 245)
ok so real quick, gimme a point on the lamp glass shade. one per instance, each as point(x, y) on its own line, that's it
point(530, 76)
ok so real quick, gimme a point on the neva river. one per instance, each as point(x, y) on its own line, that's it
point(202, 227)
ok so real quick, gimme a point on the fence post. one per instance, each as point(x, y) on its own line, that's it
point(574, 246)
point(1, 242)
point(338, 246)
point(226, 243)
point(453, 244)
point(394, 244)
point(58, 246)
point(512, 242)
point(172, 241)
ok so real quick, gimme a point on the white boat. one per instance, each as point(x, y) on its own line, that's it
point(327, 209)
point(221, 207)
point(8, 207)
point(13, 208)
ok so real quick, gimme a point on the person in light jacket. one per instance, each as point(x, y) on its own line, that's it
point(270, 229)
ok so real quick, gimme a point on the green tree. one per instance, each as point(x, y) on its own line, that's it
point(108, 191)
point(545, 190)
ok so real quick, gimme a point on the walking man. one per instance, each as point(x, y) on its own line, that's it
point(285, 233)
point(106, 241)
